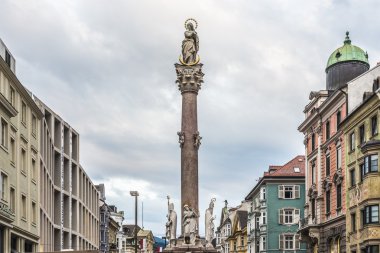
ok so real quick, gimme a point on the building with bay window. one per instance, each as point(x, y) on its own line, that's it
point(361, 132)
point(323, 227)
point(276, 207)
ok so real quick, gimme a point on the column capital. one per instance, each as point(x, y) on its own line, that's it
point(189, 78)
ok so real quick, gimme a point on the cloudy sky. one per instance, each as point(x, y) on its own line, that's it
point(107, 68)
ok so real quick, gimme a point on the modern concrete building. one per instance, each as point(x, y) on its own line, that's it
point(19, 161)
point(69, 206)
point(361, 132)
point(277, 200)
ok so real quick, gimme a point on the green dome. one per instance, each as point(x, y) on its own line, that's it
point(347, 52)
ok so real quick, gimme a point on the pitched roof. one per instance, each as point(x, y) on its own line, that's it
point(129, 230)
point(288, 169)
point(243, 217)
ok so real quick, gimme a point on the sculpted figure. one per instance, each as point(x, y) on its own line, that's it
point(209, 223)
point(190, 45)
point(190, 226)
point(171, 224)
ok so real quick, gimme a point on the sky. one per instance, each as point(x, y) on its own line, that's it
point(107, 68)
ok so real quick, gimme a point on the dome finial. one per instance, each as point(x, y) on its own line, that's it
point(347, 40)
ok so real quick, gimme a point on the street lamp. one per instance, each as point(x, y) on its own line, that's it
point(135, 194)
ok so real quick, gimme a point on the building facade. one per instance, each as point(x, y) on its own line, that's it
point(323, 227)
point(277, 201)
point(223, 234)
point(19, 161)
point(238, 239)
point(69, 200)
point(361, 132)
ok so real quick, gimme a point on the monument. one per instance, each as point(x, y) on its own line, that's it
point(189, 79)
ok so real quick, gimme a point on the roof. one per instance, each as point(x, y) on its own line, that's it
point(243, 218)
point(144, 233)
point(129, 230)
point(288, 170)
point(347, 52)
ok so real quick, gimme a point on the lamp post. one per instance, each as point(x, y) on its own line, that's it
point(135, 194)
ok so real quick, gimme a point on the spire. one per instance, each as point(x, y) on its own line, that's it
point(347, 39)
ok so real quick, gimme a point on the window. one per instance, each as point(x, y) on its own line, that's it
point(4, 133)
point(289, 242)
point(313, 176)
point(374, 125)
point(13, 150)
point(34, 214)
point(257, 222)
point(4, 186)
point(297, 170)
point(371, 249)
point(327, 164)
point(257, 246)
point(12, 200)
point(12, 96)
point(289, 191)
point(23, 206)
point(23, 160)
point(352, 176)
point(7, 58)
point(33, 169)
point(328, 200)
point(361, 134)
point(353, 222)
point(242, 241)
point(262, 193)
point(370, 214)
point(313, 141)
point(227, 248)
point(23, 112)
point(339, 157)
point(352, 141)
point(288, 216)
point(327, 130)
point(338, 119)
point(228, 229)
point(339, 196)
point(263, 218)
point(263, 244)
point(370, 165)
point(235, 246)
point(34, 124)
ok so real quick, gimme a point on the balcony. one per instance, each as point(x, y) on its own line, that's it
point(308, 229)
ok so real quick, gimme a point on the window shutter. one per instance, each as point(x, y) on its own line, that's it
point(297, 241)
point(296, 216)
point(281, 216)
point(297, 191)
point(280, 191)
point(281, 241)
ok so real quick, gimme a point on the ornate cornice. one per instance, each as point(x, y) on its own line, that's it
point(189, 78)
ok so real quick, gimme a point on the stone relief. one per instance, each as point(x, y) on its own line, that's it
point(181, 138)
point(338, 177)
point(326, 184)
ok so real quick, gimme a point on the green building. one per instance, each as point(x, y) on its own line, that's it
point(277, 205)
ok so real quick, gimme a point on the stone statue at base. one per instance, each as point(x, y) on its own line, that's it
point(171, 224)
point(209, 223)
point(190, 226)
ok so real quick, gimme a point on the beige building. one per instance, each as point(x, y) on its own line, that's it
point(69, 199)
point(19, 161)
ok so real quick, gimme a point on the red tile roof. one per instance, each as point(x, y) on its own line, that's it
point(288, 168)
